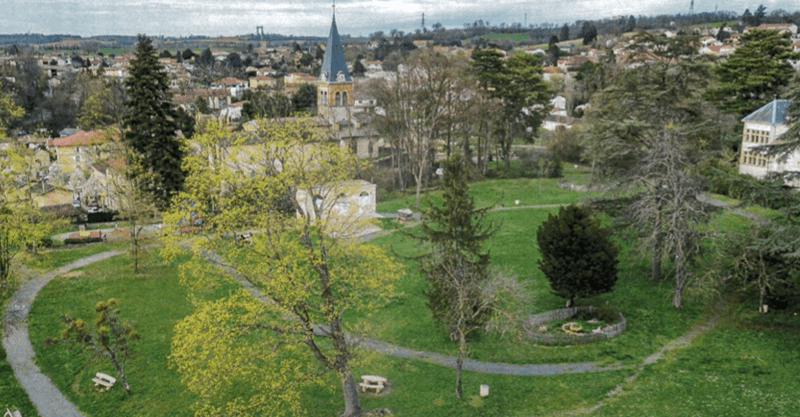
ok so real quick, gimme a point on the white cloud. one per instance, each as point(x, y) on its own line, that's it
point(312, 17)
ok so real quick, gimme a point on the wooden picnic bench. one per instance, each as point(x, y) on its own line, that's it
point(104, 380)
point(372, 382)
point(10, 413)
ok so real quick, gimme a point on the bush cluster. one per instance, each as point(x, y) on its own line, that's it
point(73, 241)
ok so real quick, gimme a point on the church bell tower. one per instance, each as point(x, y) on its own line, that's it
point(334, 85)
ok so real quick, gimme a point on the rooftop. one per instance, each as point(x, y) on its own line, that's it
point(773, 112)
point(334, 66)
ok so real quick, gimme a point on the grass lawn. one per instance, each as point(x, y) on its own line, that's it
point(153, 301)
point(62, 255)
point(504, 193)
point(743, 363)
point(519, 36)
point(730, 371)
point(514, 248)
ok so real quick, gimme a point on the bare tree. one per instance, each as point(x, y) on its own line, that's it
point(127, 181)
point(418, 105)
point(667, 209)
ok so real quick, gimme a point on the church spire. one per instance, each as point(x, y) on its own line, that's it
point(334, 66)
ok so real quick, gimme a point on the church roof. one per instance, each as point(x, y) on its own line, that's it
point(334, 67)
point(773, 112)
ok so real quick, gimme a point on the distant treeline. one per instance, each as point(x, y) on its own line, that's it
point(38, 38)
point(538, 33)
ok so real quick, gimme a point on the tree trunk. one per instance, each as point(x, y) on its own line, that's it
point(134, 247)
point(352, 405)
point(655, 260)
point(680, 276)
point(120, 371)
point(657, 249)
point(462, 348)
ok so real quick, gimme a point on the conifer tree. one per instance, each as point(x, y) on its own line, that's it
point(578, 257)
point(757, 70)
point(456, 268)
point(151, 123)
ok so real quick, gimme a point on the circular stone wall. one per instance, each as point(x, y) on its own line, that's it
point(532, 323)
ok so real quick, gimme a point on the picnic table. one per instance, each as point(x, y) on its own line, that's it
point(372, 382)
point(105, 381)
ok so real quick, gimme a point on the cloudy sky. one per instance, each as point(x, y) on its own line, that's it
point(312, 17)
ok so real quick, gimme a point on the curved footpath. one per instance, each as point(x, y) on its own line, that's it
point(51, 403)
point(19, 352)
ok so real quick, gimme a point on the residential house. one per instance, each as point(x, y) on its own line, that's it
point(762, 128)
point(79, 150)
point(235, 86)
point(552, 121)
point(265, 81)
point(780, 27)
point(101, 188)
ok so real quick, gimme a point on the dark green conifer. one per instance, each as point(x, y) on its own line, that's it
point(578, 256)
point(151, 123)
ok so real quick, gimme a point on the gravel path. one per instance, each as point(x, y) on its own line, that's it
point(51, 403)
point(45, 396)
point(431, 357)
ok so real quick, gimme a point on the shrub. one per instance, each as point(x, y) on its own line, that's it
point(72, 241)
point(566, 144)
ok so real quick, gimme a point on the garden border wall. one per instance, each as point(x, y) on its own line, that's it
point(531, 324)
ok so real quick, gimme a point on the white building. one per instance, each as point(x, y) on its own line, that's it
point(763, 127)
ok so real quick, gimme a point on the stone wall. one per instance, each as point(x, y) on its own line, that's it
point(532, 323)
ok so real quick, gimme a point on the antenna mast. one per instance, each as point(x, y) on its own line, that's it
point(691, 8)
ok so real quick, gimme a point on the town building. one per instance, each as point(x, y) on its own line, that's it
point(334, 86)
point(762, 128)
point(336, 102)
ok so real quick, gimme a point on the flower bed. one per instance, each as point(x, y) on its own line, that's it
point(537, 327)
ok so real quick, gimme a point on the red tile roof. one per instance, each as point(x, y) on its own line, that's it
point(80, 138)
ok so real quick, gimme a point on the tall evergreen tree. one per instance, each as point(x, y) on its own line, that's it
point(456, 268)
point(151, 123)
point(752, 74)
point(518, 86)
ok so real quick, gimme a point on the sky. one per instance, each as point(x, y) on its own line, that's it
point(313, 17)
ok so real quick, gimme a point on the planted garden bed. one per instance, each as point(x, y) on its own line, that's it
point(574, 325)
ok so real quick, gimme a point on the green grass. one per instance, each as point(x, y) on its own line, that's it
point(59, 256)
point(514, 248)
point(519, 36)
point(727, 372)
point(153, 301)
point(504, 193)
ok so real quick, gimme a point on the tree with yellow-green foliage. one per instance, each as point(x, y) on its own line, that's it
point(23, 225)
point(283, 187)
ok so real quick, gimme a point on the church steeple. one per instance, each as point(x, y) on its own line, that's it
point(334, 67)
